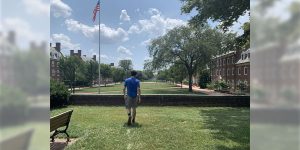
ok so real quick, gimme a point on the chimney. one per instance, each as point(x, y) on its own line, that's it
point(58, 47)
point(71, 52)
point(94, 57)
point(79, 53)
point(50, 45)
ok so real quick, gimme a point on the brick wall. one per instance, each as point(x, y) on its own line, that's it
point(164, 100)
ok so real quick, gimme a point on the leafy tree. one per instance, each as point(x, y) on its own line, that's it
point(226, 12)
point(118, 74)
point(126, 65)
point(178, 72)
point(106, 72)
point(204, 79)
point(188, 46)
point(70, 69)
point(92, 72)
point(162, 75)
point(148, 74)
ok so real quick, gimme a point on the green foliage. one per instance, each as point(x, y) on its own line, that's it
point(126, 65)
point(92, 72)
point(106, 72)
point(59, 94)
point(242, 87)
point(13, 104)
point(218, 85)
point(177, 72)
point(204, 79)
point(192, 47)
point(118, 74)
point(226, 12)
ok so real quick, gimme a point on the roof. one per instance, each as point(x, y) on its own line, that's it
point(224, 54)
point(54, 54)
point(242, 59)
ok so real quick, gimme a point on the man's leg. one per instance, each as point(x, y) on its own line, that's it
point(129, 117)
point(133, 114)
point(128, 108)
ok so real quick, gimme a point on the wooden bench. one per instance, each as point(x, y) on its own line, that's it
point(58, 121)
point(18, 142)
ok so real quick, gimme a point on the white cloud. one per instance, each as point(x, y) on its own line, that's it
point(65, 41)
point(37, 7)
point(154, 11)
point(157, 24)
point(23, 30)
point(124, 16)
point(124, 50)
point(108, 35)
point(146, 42)
point(60, 9)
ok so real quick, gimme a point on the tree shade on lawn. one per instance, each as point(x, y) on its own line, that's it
point(159, 128)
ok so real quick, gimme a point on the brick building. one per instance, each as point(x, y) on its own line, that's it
point(55, 55)
point(232, 67)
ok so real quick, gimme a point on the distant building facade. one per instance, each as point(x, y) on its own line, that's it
point(232, 67)
point(55, 56)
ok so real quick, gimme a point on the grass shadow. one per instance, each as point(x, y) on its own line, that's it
point(134, 125)
point(228, 124)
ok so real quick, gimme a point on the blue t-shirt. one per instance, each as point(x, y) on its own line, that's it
point(132, 84)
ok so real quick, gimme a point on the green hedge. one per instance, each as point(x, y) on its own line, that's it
point(13, 106)
point(59, 94)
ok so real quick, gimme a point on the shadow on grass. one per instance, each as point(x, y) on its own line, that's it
point(134, 125)
point(228, 124)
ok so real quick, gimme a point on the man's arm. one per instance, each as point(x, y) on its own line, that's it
point(139, 93)
point(124, 91)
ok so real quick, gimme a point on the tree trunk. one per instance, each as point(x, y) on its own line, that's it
point(190, 82)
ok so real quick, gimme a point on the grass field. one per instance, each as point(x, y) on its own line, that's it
point(146, 87)
point(182, 128)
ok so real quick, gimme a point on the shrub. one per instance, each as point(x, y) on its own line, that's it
point(59, 94)
point(13, 106)
point(204, 79)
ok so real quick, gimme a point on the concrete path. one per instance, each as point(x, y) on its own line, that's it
point(205, 91)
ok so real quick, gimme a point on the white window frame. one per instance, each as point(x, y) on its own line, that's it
point(245, 68)
point(239, 71)
point(228, 72)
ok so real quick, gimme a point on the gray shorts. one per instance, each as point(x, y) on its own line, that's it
point(130, 102)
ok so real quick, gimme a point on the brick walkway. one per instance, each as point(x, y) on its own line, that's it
point(61, 144)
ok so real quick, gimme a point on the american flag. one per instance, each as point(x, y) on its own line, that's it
point(97, 8)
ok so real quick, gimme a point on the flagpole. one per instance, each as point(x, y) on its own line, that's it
point(99, 55)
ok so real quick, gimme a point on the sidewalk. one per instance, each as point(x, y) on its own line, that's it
point(205, 91)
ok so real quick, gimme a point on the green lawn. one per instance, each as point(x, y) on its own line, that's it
point(182, 128)
point(146, 87)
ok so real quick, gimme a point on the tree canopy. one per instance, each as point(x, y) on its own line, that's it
point(227, 12)
point(189, 46)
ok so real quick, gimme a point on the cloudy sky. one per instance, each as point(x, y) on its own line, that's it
point(126, 26)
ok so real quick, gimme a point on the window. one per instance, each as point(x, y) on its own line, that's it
point(228, 72)
point(232, 59)
point(242, 56)
point(232, 71)
point(245, 70)
point(249, 55)
point(239, 71)
point(217, 72)
point(52, 63)
point(224, 72)
point(245, 56)
point(224, 61)
point(228, 61)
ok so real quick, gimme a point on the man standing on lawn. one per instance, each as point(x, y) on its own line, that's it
point(133, 96)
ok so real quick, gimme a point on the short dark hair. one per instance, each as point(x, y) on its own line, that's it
point(133, 73)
